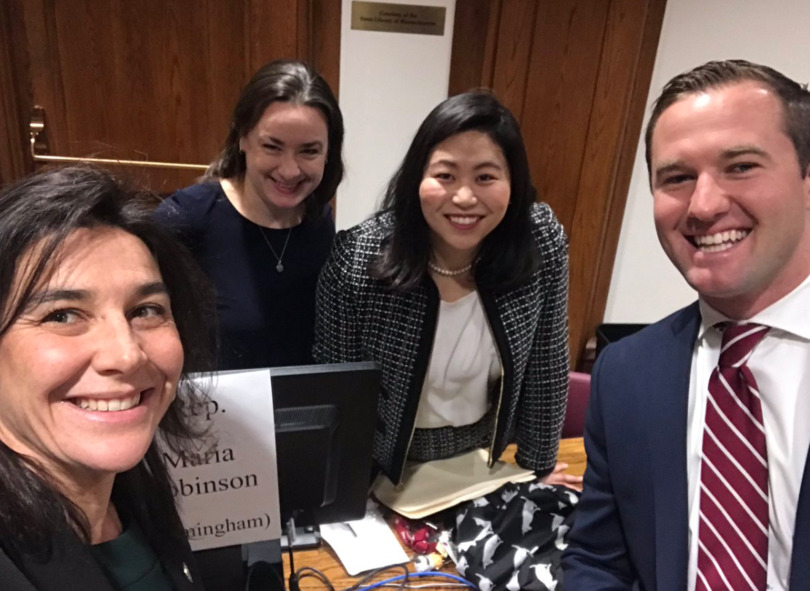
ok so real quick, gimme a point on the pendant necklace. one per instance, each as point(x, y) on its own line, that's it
point(279, 264)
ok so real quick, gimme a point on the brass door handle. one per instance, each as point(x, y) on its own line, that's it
point(36, 130)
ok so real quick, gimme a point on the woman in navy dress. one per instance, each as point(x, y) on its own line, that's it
point(260, 223)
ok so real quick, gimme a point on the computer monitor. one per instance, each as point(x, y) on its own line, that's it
point(325, 417)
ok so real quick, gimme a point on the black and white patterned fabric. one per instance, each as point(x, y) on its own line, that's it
point(512, 539)
point(359, 319)
point(445, 442)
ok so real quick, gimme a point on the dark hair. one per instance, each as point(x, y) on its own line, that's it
point(794, 98)
point(508, 255)
point(290, 82)
point(37, 214)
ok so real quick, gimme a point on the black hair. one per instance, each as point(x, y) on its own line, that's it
point(794, 98)
point(37, 215)
point(507, 256)
point(290, 82)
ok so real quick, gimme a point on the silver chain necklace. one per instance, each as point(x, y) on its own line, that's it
point(279, 264)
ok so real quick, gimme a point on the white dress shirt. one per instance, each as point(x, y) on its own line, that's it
point(781, 366)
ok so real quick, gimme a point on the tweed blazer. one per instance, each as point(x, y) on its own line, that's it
point(360, 319)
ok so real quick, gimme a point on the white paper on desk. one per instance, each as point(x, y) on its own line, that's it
point(364, 544)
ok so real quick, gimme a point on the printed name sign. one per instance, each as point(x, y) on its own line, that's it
point(227, 490)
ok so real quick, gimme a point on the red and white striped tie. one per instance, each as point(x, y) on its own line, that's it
point(733, 531)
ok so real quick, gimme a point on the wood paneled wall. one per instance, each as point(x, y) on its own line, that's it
point(153, 79)
point(158, 79)
point(576, 74)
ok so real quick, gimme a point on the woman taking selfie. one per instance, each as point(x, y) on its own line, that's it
point(458, 289)
point(102, 314)
point(260, 224)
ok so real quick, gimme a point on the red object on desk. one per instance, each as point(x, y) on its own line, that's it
point(416, 535)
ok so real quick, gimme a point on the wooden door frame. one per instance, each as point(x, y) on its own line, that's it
point(15, 161)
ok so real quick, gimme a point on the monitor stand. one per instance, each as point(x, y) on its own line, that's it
point(303, 538)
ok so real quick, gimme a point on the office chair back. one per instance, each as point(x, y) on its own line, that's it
point(579, 391)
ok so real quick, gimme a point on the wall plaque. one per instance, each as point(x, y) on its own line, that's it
point(398, 18)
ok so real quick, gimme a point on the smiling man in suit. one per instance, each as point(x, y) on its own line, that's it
point(699, 426)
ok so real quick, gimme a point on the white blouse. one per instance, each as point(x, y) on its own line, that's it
point(463, 365)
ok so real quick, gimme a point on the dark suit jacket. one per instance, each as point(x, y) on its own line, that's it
point(631, 529)
point(73, 568)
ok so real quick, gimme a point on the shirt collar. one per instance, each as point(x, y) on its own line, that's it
point(790, 314)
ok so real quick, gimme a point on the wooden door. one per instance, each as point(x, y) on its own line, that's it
point(148, 80)
point(576, 74)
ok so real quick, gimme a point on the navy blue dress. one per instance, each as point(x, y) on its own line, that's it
point(266, 318)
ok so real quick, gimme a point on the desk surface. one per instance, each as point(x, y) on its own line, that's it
point(572, 452)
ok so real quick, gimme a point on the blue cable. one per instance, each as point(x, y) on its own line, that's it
point(423, 574)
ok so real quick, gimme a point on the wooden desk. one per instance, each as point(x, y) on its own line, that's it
point(572, 452)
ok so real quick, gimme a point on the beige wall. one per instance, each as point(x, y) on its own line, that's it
point(389, 82)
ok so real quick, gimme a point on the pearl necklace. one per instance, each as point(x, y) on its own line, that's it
point(448, 272)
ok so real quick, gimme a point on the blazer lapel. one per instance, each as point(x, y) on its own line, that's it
point(71, 568)
point(672, 361)
point(799, 563)
point(11, 577)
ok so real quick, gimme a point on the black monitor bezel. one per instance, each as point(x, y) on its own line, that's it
point(358, 384)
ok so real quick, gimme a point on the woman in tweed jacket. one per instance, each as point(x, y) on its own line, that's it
point(459, 219)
